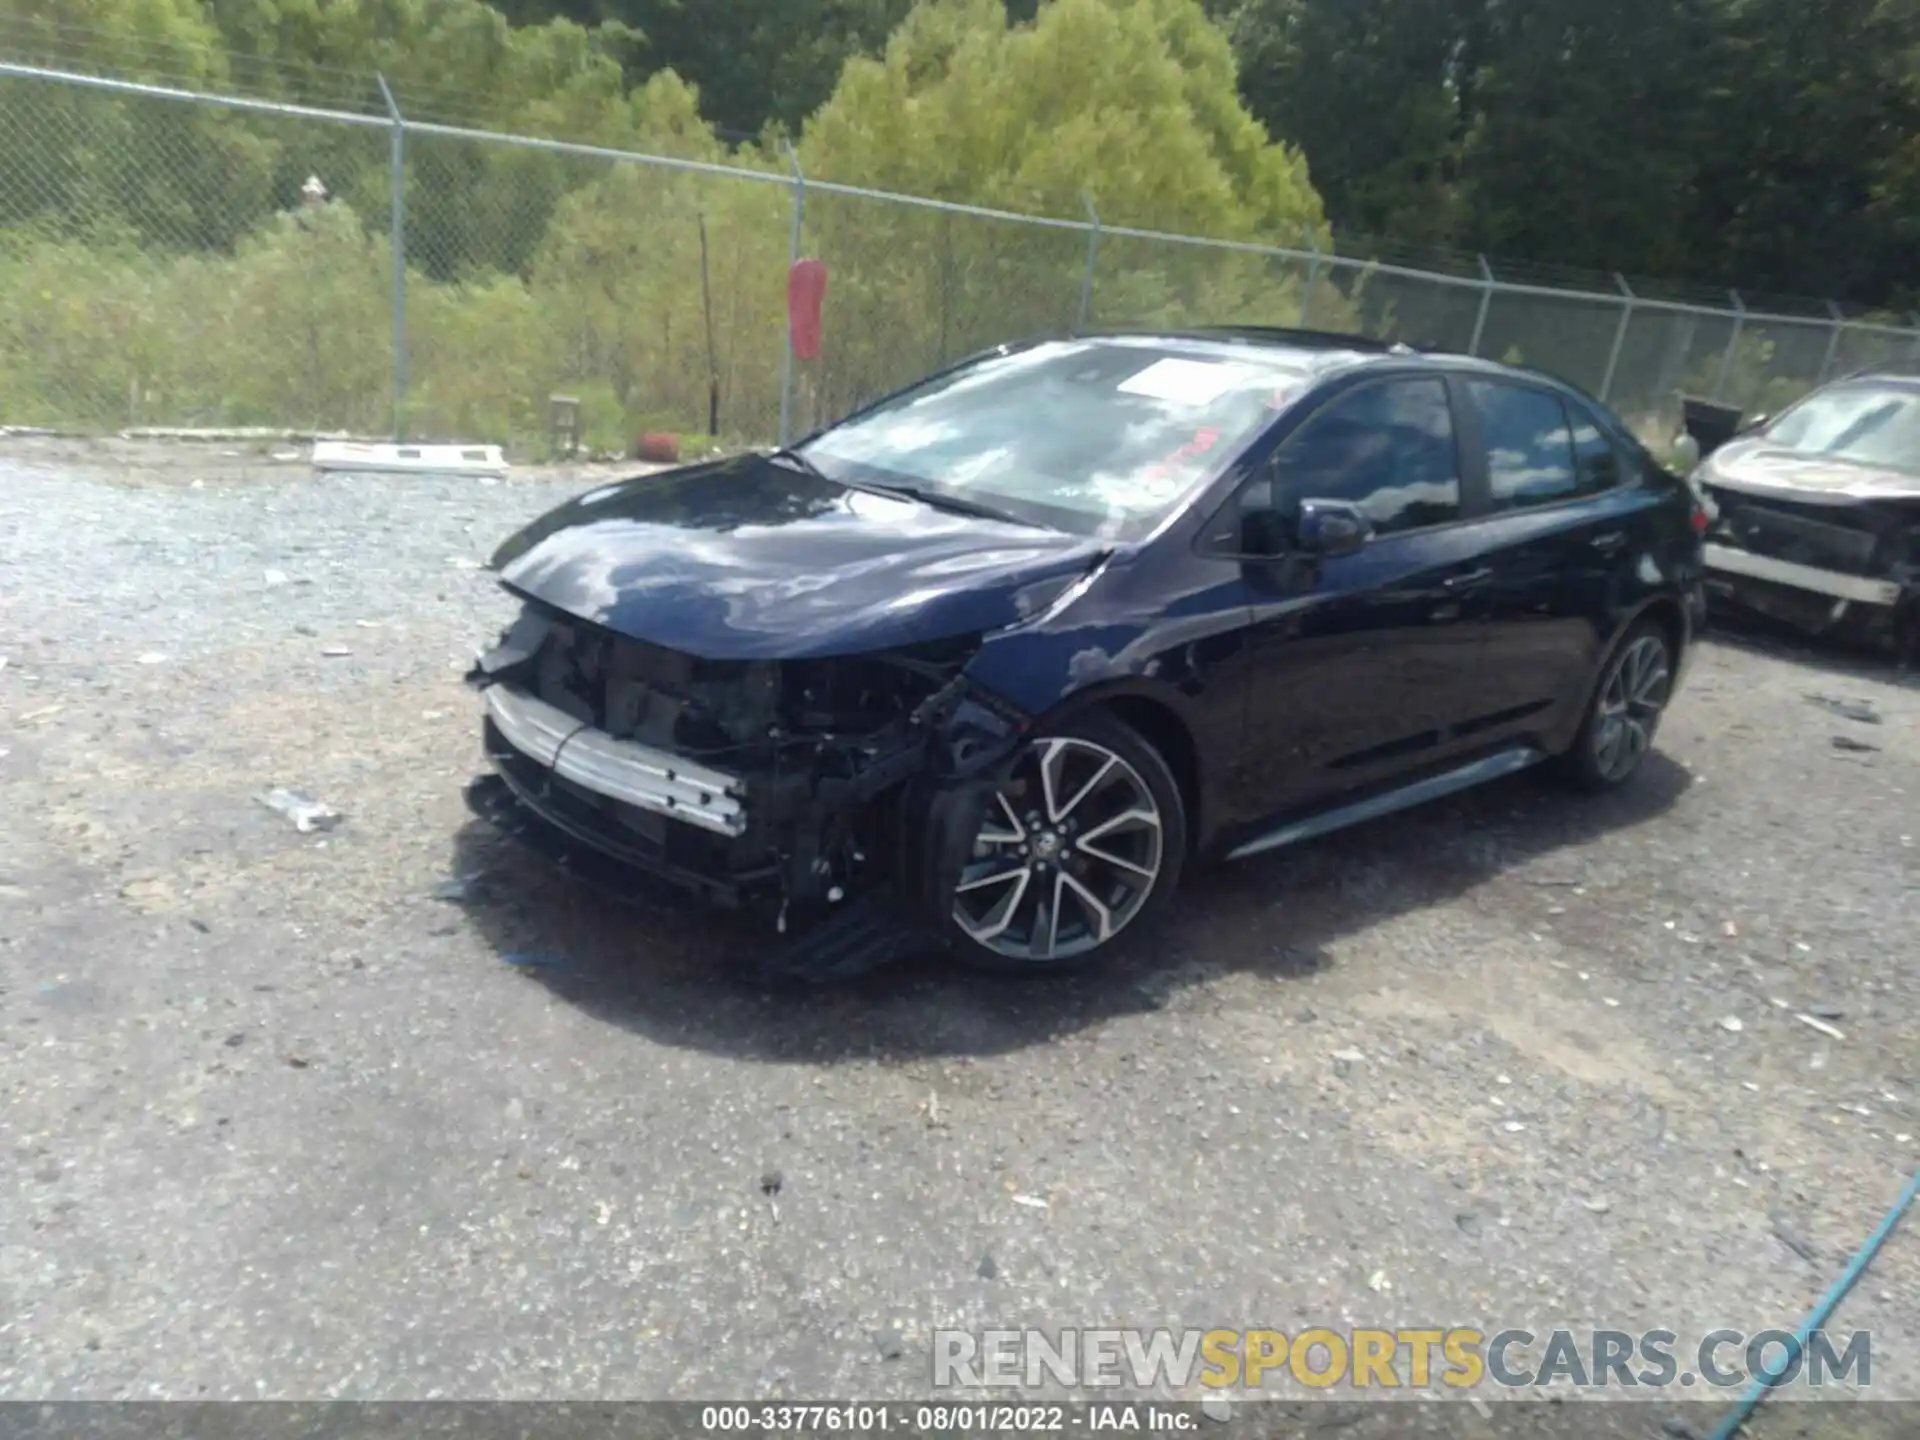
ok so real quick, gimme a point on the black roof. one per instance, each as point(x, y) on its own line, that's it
point(1335, 343)
point(1340, 341)
point(1299, 338)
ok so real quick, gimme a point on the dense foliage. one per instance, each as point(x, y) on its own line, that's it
point(1766, 144)
point(1770, 144)
point(156, 262)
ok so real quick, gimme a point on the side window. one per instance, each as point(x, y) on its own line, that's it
point(1386, 448)
point(1529, 445)
point(1596, 459)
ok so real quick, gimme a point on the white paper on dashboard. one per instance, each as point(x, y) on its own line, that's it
point(1189, 382)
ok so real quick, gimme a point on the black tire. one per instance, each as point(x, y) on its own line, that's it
point(1635, 685)
point(1075, 873)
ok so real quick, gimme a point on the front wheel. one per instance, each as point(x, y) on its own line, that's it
point(1625, 711)
point(1082, 846)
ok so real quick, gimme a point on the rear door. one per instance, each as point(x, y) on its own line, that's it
point(1559, 533)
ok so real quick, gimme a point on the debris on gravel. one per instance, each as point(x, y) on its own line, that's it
point(1861, 710)
point(307, 814)
point(1790, 1236)
point(458, 889)
point(1814, 1022)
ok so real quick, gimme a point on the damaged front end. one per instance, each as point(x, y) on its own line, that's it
point(1818, 564)
point(1814, 518)
point(794, 786)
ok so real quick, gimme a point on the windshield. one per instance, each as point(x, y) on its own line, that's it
point(1870, 424)
point(1095, 437)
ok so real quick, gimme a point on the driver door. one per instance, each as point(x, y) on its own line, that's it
point(1364, 666)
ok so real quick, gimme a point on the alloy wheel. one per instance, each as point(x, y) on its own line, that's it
point(1630, 703)
point(1069, 852)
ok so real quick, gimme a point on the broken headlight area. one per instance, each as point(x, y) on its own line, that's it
point(785, 782)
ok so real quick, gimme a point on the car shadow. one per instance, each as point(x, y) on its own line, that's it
point(1840, 656)
point(684, 978)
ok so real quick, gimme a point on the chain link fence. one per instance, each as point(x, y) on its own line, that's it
point(173, 259)
point(157, 266)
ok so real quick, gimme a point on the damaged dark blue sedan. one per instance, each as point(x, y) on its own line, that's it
point(992, 661)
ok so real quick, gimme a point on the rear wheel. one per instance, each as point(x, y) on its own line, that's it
point(1079, 850)
point(1625, 712)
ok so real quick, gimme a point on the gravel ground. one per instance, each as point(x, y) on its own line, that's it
point(280, 1123)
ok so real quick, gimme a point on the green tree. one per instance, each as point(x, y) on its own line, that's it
point(1129, 103)
point(1808, 182)
point(617, 287)
point(1132, 101)
point(1588, 131)
point(1766, 144)
point(159, 40)
point(755, 62)
point(1379, 95)
point(459, 60)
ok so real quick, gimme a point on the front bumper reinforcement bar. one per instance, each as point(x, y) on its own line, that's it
point(634, 774)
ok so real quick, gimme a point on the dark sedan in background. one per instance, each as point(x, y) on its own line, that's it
point(1817, 511)
point(995, 659)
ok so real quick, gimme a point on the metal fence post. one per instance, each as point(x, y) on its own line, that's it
point(398, 202)
point(1486, 299)
point(1313, 283)
point(1833, 341)
point(1093, 255)
point(1733, 343)
point(1619, 336)
point(793, 258)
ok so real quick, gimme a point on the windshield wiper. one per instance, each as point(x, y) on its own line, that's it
point(799, 462)
point(941, 500)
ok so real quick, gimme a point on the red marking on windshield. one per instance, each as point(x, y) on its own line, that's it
point(1204, 439)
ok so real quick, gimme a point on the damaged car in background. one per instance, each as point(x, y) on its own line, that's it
point(1817, 512)
point(988, 664)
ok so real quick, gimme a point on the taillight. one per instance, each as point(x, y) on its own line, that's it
point(1701, 519)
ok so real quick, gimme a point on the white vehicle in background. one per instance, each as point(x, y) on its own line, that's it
point(1816, 511)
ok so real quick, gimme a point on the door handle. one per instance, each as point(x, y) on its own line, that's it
point(1610, 542)
point(1467, 580)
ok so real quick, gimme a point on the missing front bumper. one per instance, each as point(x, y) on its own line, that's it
point(838, 812)
point(864, 934)
point(589, 854)
point(806, 831)
point(561, 816)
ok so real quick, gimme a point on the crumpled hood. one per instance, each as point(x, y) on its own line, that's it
point(1753, 466)
point(753, 559)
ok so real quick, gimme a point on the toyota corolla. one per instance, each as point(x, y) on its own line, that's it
point(993, 661)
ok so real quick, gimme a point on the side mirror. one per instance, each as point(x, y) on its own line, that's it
point(1757, 422)
point(1331, 528)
